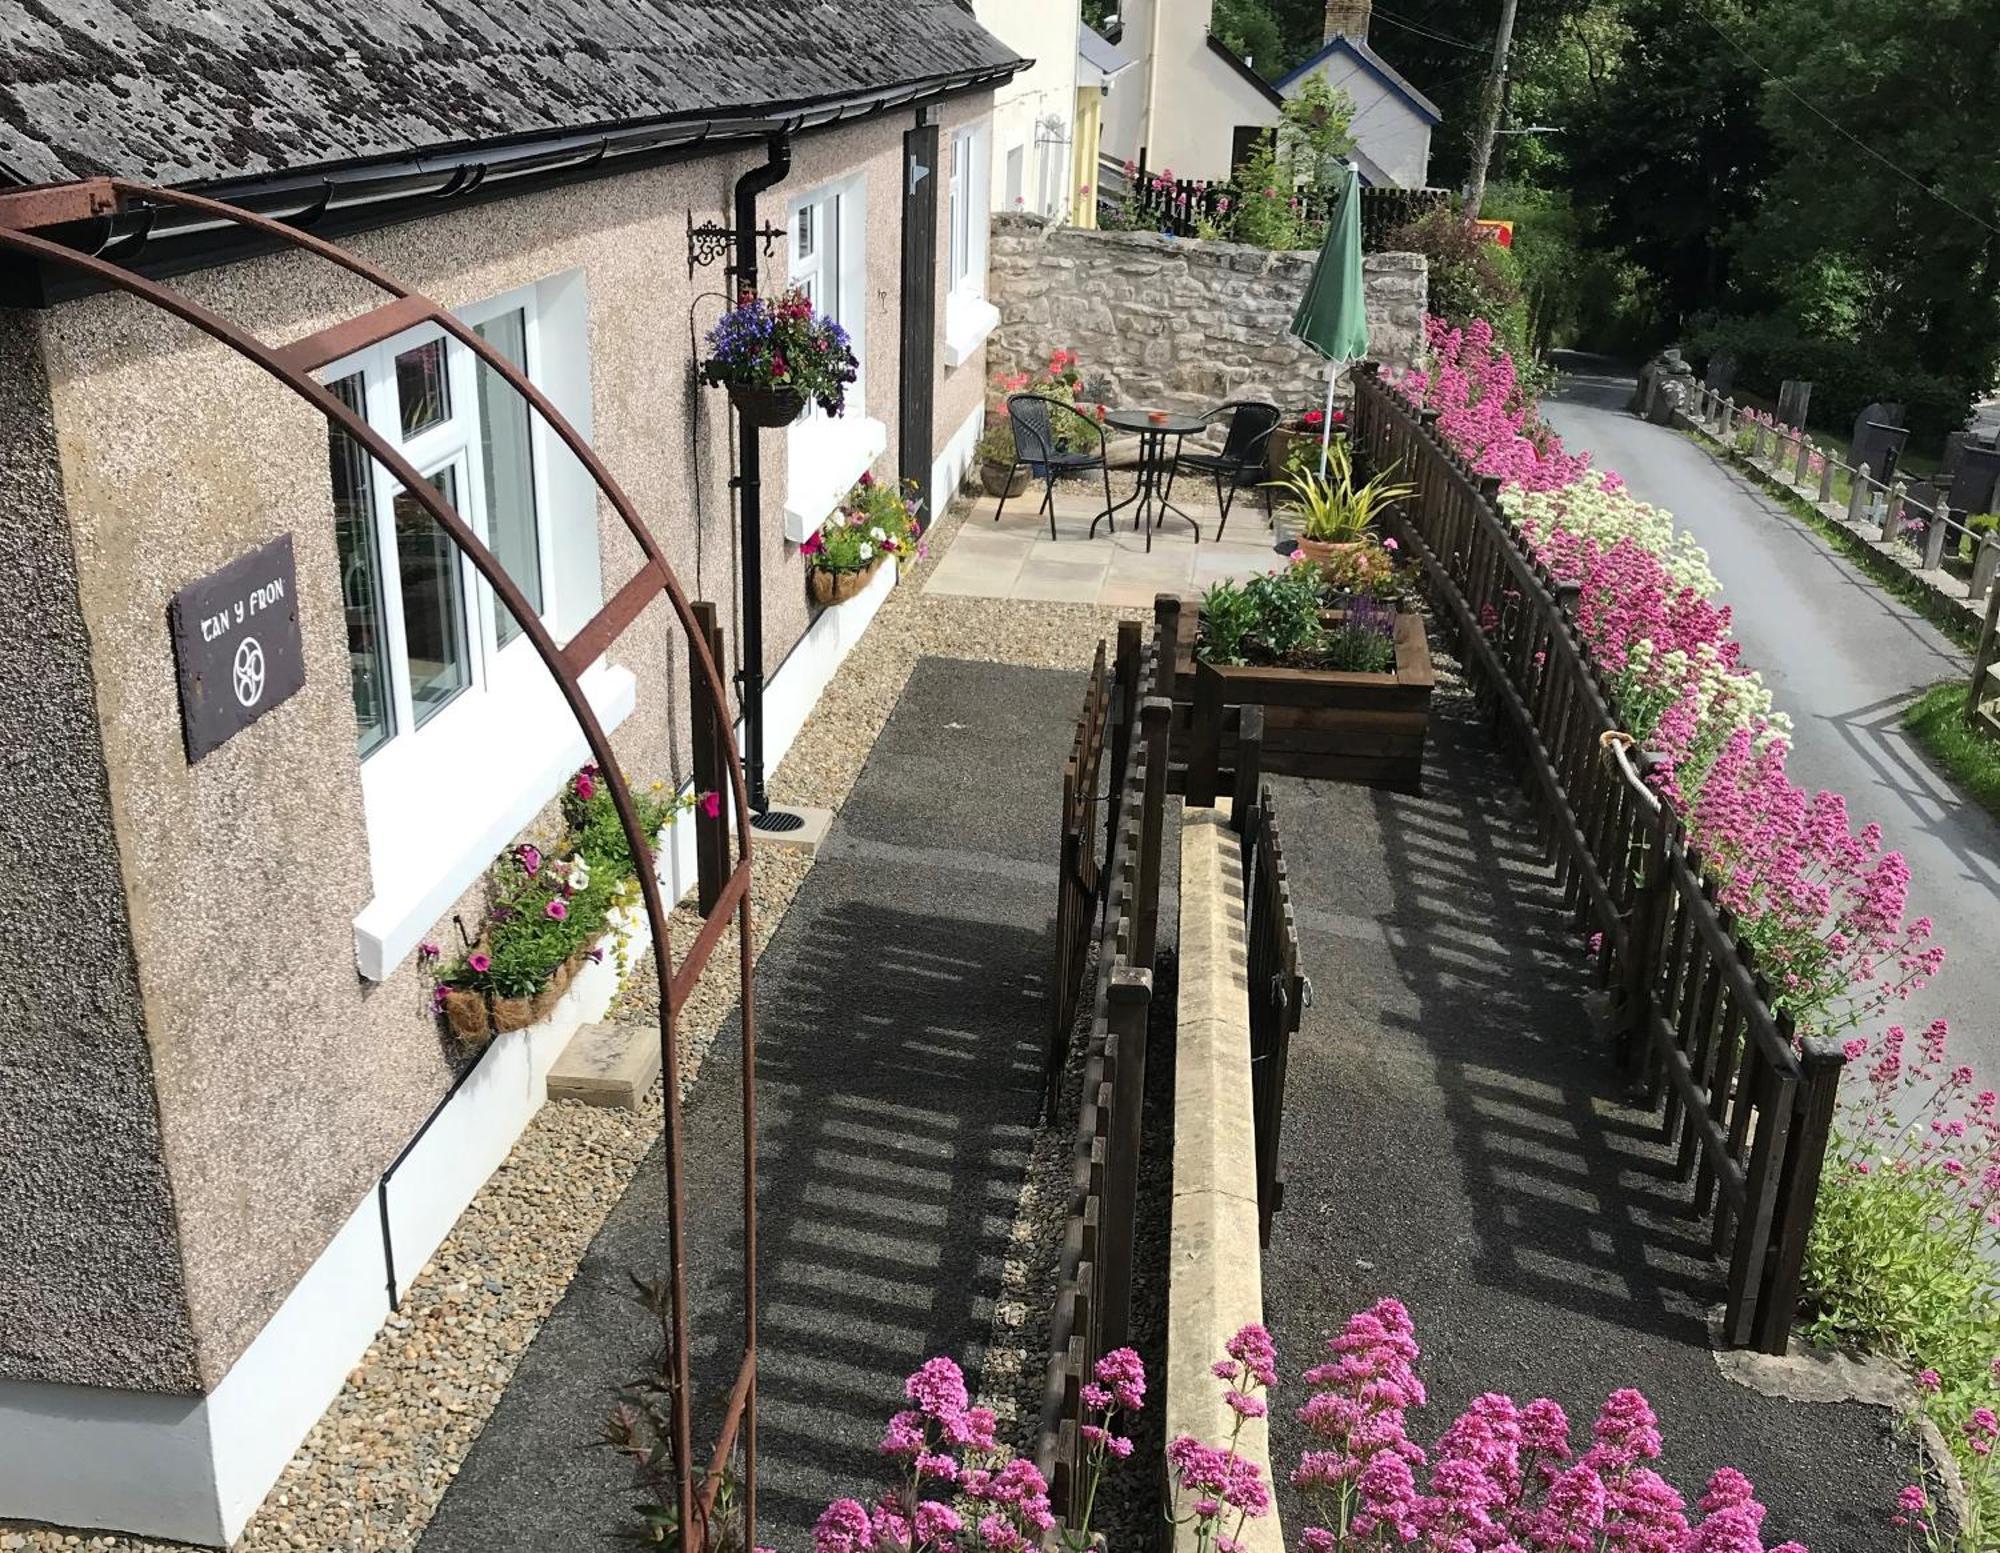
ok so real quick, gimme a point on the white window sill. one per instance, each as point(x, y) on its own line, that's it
point(967, 322)
point(824, 459)
point(443, 803)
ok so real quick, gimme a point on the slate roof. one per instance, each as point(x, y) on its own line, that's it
point(1375, 64)
point(179, 93)
point(1099, 53)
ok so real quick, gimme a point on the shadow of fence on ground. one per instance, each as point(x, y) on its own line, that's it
point(894, 1117)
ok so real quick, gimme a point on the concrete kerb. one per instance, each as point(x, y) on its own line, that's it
point(1215, 1279)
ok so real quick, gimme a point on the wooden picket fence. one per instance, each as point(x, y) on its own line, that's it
point(1094, 1295)
point(1278, 987)
point(1748, 1106)
point(1182, 205)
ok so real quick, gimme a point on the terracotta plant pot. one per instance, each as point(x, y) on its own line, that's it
point(513, 1013)
point(826, 587)
point(1003, 479)
point(767, 407)
point(1320, 551)
point(465, 1012)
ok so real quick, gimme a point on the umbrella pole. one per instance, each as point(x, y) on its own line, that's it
point(1326, 419)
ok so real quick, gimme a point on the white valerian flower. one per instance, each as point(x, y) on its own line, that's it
point(867, 551)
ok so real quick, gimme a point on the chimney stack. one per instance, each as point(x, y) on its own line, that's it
point(1347, 18)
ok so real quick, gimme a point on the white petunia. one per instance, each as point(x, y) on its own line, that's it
point(867, 551)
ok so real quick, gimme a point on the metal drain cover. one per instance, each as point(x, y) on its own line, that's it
point(777, 821)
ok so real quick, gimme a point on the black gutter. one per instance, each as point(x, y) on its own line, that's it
point(749, 481)
point(341, 198)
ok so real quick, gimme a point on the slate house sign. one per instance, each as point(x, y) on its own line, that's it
point(236, 642)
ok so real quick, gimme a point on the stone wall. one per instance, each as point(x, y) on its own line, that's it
point(1178, 323)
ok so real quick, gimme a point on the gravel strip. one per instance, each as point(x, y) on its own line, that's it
point(373, 1469)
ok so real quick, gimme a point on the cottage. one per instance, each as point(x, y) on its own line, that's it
point(1199, 107)
point(233, 1125)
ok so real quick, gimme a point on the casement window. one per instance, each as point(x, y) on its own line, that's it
point(461, 733)
point(827, 256)
point(968, 317)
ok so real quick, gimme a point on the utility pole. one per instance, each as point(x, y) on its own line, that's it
point(1490, 105)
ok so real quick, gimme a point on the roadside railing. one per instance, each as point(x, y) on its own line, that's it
point(1939, 542)
point(1094, 1275)
point(1693, 1018)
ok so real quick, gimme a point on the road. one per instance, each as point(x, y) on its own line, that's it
point(1842, 657)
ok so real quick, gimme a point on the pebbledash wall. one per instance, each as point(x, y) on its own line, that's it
point(203, 1076)
point(1177, 322)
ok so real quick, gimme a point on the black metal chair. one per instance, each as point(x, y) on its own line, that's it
point(1242, 460)
point(1037, 447)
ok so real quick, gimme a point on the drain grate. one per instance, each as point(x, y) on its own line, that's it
point(777, 821)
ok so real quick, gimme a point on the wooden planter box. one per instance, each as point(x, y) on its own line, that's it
point(1365, 728)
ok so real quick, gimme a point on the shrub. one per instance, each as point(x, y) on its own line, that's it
point(1502, 1476)
point(1904, 1245)
point(1472, 277)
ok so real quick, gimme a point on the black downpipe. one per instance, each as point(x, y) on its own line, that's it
point(749, 480)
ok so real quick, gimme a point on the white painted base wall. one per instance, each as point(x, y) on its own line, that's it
point(949, 467)
point(194, 1468)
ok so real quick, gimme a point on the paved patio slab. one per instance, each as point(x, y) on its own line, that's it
point(899, 1062)
point(1452, 1138)
point(1014, 558)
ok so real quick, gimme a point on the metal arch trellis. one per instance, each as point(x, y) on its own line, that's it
point(293, 364)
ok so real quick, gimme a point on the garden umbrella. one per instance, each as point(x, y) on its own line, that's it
point(1333, 314)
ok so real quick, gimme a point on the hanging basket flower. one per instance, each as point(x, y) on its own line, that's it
point(775, 355)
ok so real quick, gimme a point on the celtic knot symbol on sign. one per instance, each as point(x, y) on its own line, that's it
point(247, 674)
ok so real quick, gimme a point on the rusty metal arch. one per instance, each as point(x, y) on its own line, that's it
point(293, 364)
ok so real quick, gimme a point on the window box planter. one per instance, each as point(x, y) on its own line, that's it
point(826, 587)
point(476, 1017)
point(1339, 727)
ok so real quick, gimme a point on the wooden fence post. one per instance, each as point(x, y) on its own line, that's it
point(1249, 768)
point(1821, 1060)
point(1131, 993)
point(1643, 935)
point(1125, 712)
point(1156, 717)
point(710, 767)
point(1204, 762)
point(1802, 470)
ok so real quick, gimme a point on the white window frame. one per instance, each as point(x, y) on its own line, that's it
point(826, 454)
point(442, 800)
point(968, 317)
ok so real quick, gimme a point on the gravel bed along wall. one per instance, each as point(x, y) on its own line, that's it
point(373, 1469)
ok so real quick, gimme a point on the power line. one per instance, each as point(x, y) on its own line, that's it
point(1840, 129)
point(1424, 32)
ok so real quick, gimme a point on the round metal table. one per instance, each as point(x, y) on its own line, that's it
point(1154, 427)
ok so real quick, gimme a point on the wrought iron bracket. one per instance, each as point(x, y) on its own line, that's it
point(712, 240)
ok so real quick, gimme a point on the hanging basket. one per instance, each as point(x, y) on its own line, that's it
point(767, 407)
point(826, 587)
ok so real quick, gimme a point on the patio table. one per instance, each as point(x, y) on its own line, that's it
point(1154, 427)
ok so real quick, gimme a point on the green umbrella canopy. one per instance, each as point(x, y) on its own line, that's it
point(1333, 314)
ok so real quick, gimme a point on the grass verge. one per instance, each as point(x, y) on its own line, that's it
point(1936, 719)
point(1896, 582)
